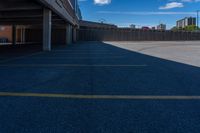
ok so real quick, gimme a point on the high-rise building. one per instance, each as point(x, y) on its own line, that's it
point(132, 26)
point(186, 22)
point(161, 27)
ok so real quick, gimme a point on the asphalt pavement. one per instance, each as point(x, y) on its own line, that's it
point(95, 87)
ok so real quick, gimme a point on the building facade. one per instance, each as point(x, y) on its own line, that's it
point(75, 6)
point(43, 21)
point(161, 27)
point(132, 26)
point(186, 22)
point(6, 33)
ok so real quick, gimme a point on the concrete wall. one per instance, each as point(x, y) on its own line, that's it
point(59, 36)
point(94, 34)
point(35, 35)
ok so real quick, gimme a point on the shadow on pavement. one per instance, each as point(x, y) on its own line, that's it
point(109, 70)
point(97, 68)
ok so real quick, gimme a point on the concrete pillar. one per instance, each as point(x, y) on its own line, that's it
point(21, 34)
point(47, 14)
point(14, 34)
point(74, 34)
point(24, 35)
point(68, 34)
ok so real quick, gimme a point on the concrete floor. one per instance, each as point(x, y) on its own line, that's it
point(187, 52)
point(77, 89)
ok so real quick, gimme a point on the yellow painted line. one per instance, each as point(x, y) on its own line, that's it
point(72, 53)
point(114, 57)
point(66, 65)
point(111, 97)
point(86, 50)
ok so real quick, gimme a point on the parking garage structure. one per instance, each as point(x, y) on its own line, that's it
point(41, 21)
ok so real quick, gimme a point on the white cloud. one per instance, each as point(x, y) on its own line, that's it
point(102, 2)
point(172, 5)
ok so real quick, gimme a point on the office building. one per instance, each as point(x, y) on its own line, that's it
point(161, 27)
point(186, 22)
point(132, 26)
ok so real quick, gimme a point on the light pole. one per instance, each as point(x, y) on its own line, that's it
point(198, 19)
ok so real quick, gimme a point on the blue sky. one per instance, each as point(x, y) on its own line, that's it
point(138, 12)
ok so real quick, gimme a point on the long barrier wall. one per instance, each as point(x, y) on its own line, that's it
point(118, 34)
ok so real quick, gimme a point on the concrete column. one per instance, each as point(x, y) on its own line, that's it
point(24, 35)
point(68, 34)
point(74, 34)
point(21, 34)
point(47, 14)
point(14, 34)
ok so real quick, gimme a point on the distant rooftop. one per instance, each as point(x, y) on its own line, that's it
point(91, 24)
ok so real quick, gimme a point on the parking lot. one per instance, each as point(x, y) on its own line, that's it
point(186, 52)
point(102, 87)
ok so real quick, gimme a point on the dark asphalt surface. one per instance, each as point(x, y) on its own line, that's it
point(21, 71)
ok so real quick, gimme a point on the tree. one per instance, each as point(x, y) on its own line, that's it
point(174, 28)
point(187, 28)
point(191, 28)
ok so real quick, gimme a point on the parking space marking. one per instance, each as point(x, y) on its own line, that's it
point(81, 51)
point(103, 97)
point(69, 65)
point(52, 58)
point(63, 53)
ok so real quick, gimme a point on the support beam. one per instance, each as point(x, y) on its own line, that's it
point(68, 34)
point(14, 34)
point(62, 9)
point(47, 16)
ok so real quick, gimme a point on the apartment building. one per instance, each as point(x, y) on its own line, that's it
point(186, 22)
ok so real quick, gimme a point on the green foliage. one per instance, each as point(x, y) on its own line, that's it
point(175, 29)
point(191, 28)
point(187, 28)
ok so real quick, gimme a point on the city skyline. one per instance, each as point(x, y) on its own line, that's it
point(141, 13)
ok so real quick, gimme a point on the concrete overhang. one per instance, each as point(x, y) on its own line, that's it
point(62, 8)
point(22, 12)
